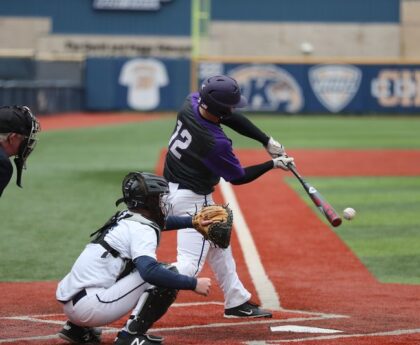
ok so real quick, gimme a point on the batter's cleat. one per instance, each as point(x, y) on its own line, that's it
point(248, 309)
point(125, 338)
point(80, 335)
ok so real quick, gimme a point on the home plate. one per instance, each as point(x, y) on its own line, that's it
point(302, 329)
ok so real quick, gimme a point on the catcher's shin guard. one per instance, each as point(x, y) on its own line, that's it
point(155, 303)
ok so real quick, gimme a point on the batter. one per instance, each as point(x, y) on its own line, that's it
point(199, 154)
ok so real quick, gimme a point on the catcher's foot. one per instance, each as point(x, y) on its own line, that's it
point(80, 335)
point(124, 338)
point(248, 309)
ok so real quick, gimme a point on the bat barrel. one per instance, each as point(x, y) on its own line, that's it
point(336, 222)
point(326, 209)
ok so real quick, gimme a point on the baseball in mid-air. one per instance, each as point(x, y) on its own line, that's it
point(349, 213)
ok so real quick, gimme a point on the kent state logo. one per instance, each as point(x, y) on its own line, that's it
point(269, 88)
point(335, 85)
point(397, 87)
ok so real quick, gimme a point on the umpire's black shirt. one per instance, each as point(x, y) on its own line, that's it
point(6, 170)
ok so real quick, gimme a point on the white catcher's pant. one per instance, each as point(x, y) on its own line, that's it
point(102, 306)
point(193, 249)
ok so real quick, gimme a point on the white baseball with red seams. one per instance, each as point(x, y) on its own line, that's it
point(349, 213)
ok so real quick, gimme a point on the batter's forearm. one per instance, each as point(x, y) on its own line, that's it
point(253, 172)
point(241, 124)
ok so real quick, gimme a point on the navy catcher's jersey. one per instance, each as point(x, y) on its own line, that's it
point(199, 152)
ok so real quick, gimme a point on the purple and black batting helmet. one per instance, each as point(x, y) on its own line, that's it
point(219, 94)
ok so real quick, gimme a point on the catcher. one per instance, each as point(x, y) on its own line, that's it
point(118, 271)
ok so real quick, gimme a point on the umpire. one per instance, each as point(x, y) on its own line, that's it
point(18, 132)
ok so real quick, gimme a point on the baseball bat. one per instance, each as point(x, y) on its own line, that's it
point(326, 209)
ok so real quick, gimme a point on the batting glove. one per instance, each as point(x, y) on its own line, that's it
point(274, 148)
point(282, 162)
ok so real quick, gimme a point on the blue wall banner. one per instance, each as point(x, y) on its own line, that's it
point(142, 84)
point(152, 84)
point(324, 88)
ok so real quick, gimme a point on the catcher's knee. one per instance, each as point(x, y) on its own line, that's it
point(156, 304)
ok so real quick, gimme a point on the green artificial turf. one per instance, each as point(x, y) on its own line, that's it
point(331, 131)
point(74, 178)
point(385, 232)
point(72, 182)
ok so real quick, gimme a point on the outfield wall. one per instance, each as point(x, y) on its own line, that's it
point(282, 87)
point(160, 84)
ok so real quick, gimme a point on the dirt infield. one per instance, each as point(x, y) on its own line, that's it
point(326, 294)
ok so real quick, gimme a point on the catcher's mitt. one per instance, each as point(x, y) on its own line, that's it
point(220, 229)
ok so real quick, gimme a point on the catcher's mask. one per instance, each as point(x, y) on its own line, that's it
point(220, 94)
point(19, 119)
point(145, 191)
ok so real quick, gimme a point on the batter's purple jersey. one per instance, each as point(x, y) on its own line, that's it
point(199, 152)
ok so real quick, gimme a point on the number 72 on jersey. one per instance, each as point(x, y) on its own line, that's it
point(180, 140)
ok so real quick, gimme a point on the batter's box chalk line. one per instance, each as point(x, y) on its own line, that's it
point(43, 318)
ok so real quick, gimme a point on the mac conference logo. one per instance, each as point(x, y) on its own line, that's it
point(335, 85)
point(269, 88)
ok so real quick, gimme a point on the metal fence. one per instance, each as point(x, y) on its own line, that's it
point(43, 96)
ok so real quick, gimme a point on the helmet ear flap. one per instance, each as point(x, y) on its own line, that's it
point(119, 201)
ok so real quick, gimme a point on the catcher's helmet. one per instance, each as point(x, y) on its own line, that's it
point(219, 94)
point(145, 191)
point(139, 187)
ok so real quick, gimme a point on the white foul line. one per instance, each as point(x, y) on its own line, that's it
point(265, 288)
point(396, 332)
